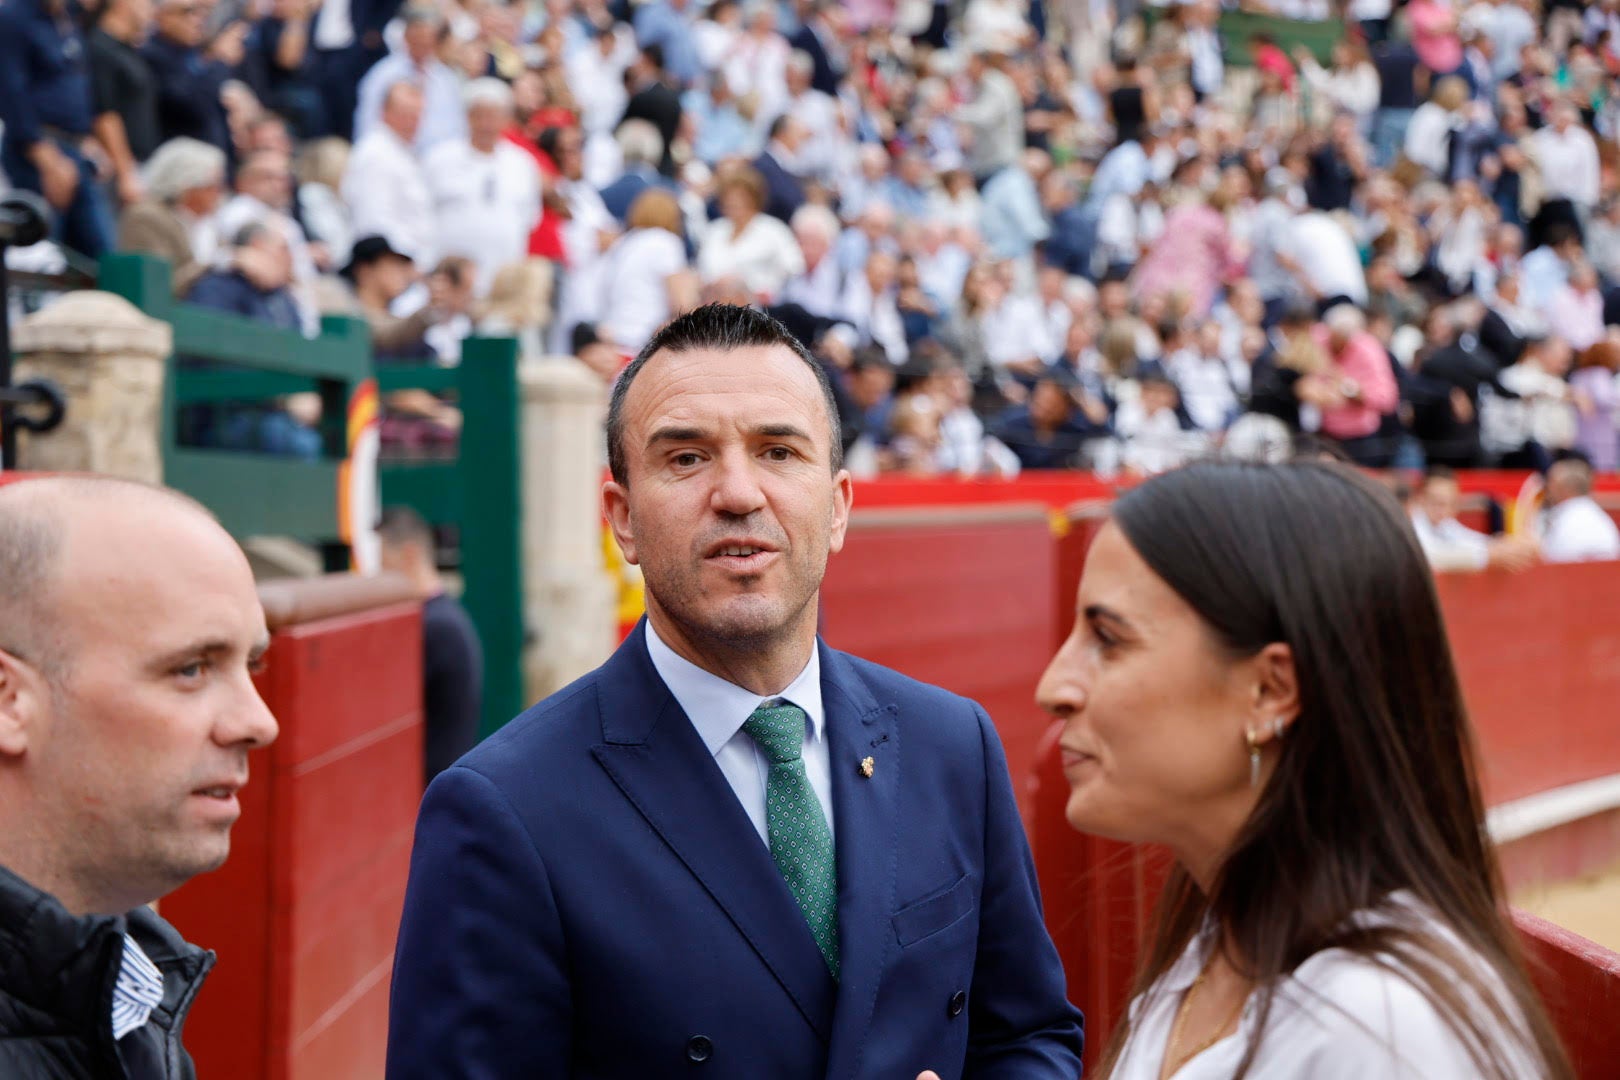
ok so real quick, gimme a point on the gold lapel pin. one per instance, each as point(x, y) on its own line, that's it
point(867, 765)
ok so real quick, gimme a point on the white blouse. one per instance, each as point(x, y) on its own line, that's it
point(1338, 1017)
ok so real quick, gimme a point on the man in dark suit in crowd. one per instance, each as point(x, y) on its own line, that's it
point(655, 101)
point(783, 192)
point(730, 846)
point(818, 36)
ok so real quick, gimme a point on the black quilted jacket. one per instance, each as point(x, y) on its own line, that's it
point(56, 985)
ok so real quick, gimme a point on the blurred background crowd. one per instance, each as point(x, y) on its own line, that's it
point(1021, 234)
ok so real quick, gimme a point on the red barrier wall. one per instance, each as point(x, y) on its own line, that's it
point(304, 914)
point(1539, 659)
point(1581, 984)
point(955, 598)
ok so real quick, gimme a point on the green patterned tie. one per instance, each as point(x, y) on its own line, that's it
point(801, 842)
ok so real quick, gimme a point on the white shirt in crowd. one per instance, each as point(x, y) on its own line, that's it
point(765, 255)
point(1578, 530)
point(1569, 164)
point(1337, 1017)
point(718, 710)
point(1542, 411)
point(636, 279)
point(387, 195)
point(819, 289)
point(444, 117)
point(597, 82)
point(1327, 257)
point(1209, 387)
point(1428, 137)
point(486, 204)
point(1451, 545)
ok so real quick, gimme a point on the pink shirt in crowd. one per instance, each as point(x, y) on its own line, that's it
point(1434, 35)
point(1364, 360)
point(1195, 256)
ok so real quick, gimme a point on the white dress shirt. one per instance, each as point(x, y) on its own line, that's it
point(718, 709)
point(1569, 164)
point(1451, 545)
point(1578, 530)
point(1337, 1017)
point(444, 117)
point(764, 255)
point(486, 204)
point(387, 195)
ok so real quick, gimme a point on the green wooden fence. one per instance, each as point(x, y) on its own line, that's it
point(480, 492)
point(253, 494)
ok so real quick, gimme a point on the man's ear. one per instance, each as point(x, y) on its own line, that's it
point(23, 697)
point(616, 507)
point(843, 501)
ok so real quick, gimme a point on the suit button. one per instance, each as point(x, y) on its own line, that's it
point(699, 1048)
point(958, 1003)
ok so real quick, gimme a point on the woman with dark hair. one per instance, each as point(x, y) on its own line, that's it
point(1260, 680)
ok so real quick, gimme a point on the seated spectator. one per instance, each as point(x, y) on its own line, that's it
point(264, 195)
point(383, 183)
point(641, 148)
point(518, 304)
point(647, 279)
point(1596, 394)
point(1575, 528)
point(319, 168)
point(1508, 324)
point(1357, 389)
point(869, 307)
point(444, 115)
point(255, 283)
point(778, 167)
point(747, 243)
point(378, 275)
point(485, 190)
point(255, 287)
point(1049, 432)
point(1450, 370)
point(819, 288)
point(1451, 545)
point(1576, 310)
point(185, 180)
point(1211, 387)
point(965, 449)
point(451, 290)
point(1151, 430)
point(1526, 431)
point(1194, 257)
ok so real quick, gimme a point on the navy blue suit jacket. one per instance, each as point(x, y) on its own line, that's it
point(783, 192)
point(589, 899)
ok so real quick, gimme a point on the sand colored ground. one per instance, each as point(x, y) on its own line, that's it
point(1589, 906)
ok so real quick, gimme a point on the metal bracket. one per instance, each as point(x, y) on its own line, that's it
point(36, 393)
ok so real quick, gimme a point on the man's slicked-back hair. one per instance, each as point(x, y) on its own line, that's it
point(721, 327)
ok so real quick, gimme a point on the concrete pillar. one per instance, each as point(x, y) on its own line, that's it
point(569, 597)
point(109, 361)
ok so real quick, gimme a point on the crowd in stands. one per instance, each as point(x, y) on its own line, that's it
point(1022, 235)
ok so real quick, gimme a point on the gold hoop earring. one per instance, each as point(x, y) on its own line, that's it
point(1254, 757)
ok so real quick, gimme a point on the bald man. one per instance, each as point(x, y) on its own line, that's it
point(129, 632)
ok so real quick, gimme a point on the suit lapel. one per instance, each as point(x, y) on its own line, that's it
point(865, 810)
point(654, 755)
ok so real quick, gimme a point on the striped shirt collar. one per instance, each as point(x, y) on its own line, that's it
point(138, 991)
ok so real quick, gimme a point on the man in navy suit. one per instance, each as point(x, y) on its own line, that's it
point(784, 194)
point(730, 848)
